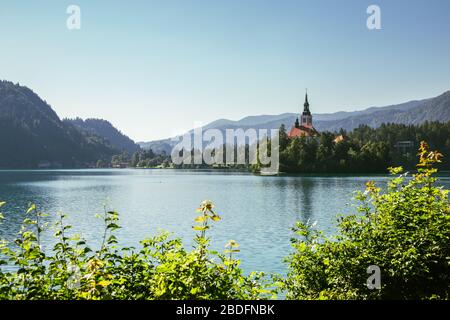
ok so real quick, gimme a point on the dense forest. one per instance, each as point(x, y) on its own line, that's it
point(363, 150)
point(139, 159)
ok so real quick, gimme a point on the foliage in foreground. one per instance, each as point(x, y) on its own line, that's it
point(161, 269)
point(405, 231)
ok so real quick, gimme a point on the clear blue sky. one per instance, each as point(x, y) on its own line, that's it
point(155, 67)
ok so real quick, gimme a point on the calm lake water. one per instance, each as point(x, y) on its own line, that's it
point(258, 212)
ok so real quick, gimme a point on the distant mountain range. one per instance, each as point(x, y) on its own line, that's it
point(32, 135)
point(412, 112)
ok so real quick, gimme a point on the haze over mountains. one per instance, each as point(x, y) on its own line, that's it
point(412, 112)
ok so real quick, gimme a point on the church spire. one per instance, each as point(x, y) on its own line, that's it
point(306, 117)
point(306, 105)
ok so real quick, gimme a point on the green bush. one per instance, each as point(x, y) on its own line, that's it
point(161, 269)
point(404, 230)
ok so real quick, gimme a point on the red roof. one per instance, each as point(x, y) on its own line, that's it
point(302, 131)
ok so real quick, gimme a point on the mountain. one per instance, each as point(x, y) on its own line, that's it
point(412, 112)
point(107, 131)
point(158, 146)
point(32, 134)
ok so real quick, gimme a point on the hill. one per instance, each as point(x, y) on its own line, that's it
point(32, 134)
point(106, 130)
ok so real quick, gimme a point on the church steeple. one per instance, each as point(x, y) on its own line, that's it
point(306, 118)
point(306, 105)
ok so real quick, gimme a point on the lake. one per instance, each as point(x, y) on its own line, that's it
point(258, 212)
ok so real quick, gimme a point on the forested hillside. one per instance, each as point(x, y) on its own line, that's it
point(106, 130)
point(32, 135)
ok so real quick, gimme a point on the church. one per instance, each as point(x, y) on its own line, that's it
point(304, 128)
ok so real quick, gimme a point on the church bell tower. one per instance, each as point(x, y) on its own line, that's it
point(306, 117)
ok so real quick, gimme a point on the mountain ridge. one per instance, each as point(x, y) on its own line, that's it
point(410, 112)
point(106, 130)
point(32, 134)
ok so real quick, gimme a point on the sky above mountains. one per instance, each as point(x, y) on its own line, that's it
point(154, 68)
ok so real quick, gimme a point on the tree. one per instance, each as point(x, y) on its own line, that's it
point(404, 231)
point(283, 136)
point(102, 164)
point(120, 159)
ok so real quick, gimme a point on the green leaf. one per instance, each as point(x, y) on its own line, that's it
point(31, 208)
point(215, 218)
point(201, 219)
point(104, 283)
point(200, 228)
